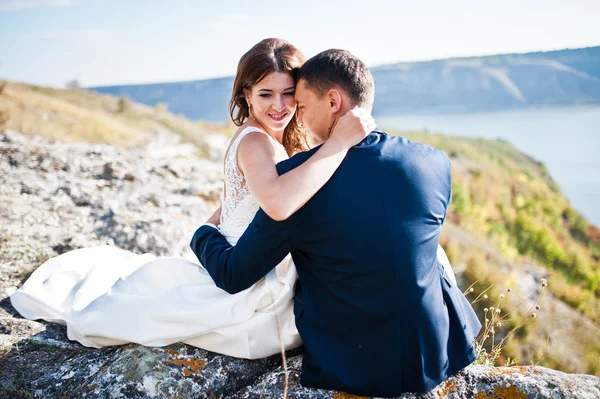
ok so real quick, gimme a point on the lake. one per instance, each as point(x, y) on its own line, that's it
point(566, 140)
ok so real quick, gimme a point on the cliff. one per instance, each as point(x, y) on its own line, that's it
point(57, 196)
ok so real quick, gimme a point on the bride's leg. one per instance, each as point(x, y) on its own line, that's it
point(443, 259)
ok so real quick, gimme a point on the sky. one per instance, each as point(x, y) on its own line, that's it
point(109, 42)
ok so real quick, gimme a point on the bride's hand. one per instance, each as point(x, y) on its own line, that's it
point(353, 127)
point(216, 217)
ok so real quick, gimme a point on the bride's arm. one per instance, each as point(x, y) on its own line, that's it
point(281, 196)
point(215, 218)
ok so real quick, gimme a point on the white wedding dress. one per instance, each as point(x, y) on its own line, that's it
point(108, 296)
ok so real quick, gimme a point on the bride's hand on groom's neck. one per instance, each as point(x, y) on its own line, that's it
point(353, 127)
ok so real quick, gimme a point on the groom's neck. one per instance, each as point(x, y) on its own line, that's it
point(346, 106)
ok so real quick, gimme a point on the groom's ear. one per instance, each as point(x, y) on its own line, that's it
point(334, 98)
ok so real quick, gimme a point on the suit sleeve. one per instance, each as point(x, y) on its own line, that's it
point(264, 244)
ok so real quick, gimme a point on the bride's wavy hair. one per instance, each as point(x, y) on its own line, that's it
point(267, 56)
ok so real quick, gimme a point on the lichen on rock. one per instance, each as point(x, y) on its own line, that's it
point(55, 197)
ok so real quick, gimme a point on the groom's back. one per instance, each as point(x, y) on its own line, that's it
point(389, 192)
point(370, 294)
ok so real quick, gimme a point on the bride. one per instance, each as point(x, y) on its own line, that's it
point(108, 296)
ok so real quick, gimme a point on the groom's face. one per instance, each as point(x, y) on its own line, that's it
point(314, 112)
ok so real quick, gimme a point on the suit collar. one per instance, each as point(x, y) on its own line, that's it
point(372, 138)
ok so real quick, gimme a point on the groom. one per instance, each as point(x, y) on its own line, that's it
point(376, 311)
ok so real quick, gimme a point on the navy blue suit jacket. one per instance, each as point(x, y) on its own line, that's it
point(377, 314)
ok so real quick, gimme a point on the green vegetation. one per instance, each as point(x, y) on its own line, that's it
point(124, 105)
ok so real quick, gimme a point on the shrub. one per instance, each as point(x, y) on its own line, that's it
point(73, 84)
point(3, 117)
point(123, 105)
point(161, 108)
point(461, 199)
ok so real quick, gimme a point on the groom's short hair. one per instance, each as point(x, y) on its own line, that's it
point(339, 68)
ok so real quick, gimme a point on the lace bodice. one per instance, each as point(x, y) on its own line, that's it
point(239, 206)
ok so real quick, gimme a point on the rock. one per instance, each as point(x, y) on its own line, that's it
point(478, 382)
point(135, 371)
point(48, 368)
point(84, 194)
point(55, 197)
point(108, 173)
point(217, 146)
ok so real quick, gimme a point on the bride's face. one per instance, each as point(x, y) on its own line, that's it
point(272, 100)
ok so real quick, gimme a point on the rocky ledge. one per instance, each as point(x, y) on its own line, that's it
point(56, 196)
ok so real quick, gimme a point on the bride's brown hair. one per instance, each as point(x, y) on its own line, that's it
point(267, 56)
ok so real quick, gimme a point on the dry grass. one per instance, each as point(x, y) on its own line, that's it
point(79, 115)
point(494, 318)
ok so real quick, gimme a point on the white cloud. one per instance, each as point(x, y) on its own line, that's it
point(76, 35)
point(13, 5)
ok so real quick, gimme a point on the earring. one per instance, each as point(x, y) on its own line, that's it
point(300, 124)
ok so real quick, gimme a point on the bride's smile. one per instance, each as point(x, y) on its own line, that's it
point(273, 103)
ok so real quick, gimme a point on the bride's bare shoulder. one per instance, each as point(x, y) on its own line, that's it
point(243, 130)
point(255, 145)
point(248, 130)
point(258, 143)
point(256, 149)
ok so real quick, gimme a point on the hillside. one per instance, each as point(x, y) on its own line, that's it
point(509, 225)
point(56, 197)
point(540, 79)
point(80, 115)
